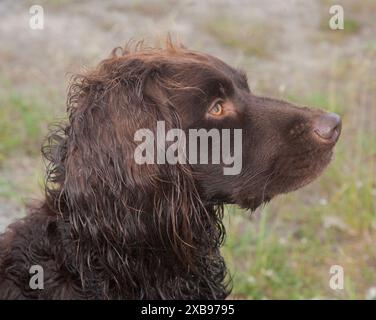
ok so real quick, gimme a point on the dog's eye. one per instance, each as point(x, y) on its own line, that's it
point(217, 109)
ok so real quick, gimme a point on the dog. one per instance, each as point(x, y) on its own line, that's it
point(111, 228)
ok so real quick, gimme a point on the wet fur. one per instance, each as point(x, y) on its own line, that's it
point(111, 229)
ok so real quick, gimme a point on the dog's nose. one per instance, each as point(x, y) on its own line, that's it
point(327, 127)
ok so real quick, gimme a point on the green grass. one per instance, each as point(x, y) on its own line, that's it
point(268, 267)
point(22, 124)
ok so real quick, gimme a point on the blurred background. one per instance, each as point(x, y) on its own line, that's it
point(285, 250)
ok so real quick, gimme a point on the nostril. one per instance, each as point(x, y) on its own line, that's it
point(327, 126)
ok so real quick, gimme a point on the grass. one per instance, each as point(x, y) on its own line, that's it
point(288, 254)
point(247, 37)
point(266, 270)
point(22, 123)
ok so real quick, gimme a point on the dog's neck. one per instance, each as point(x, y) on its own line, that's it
point(138, 258)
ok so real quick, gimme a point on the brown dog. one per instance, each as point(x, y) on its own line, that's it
point(114, 229)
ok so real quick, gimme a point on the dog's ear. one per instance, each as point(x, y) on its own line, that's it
point(107, 198)
point(102, 180)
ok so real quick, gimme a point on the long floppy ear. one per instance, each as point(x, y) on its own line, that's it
point(114, 206)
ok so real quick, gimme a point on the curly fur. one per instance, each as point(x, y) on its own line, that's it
point(111, 229)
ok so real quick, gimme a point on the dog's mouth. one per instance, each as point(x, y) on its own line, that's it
point(286, 178)
point(293, 163)
point(312, 158)
point(296, 178)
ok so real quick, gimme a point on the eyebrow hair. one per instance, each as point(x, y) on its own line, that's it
point(226, 87)
point(241, 78)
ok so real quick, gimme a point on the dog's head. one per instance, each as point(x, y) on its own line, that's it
point(281, 146)
point(275, 146)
